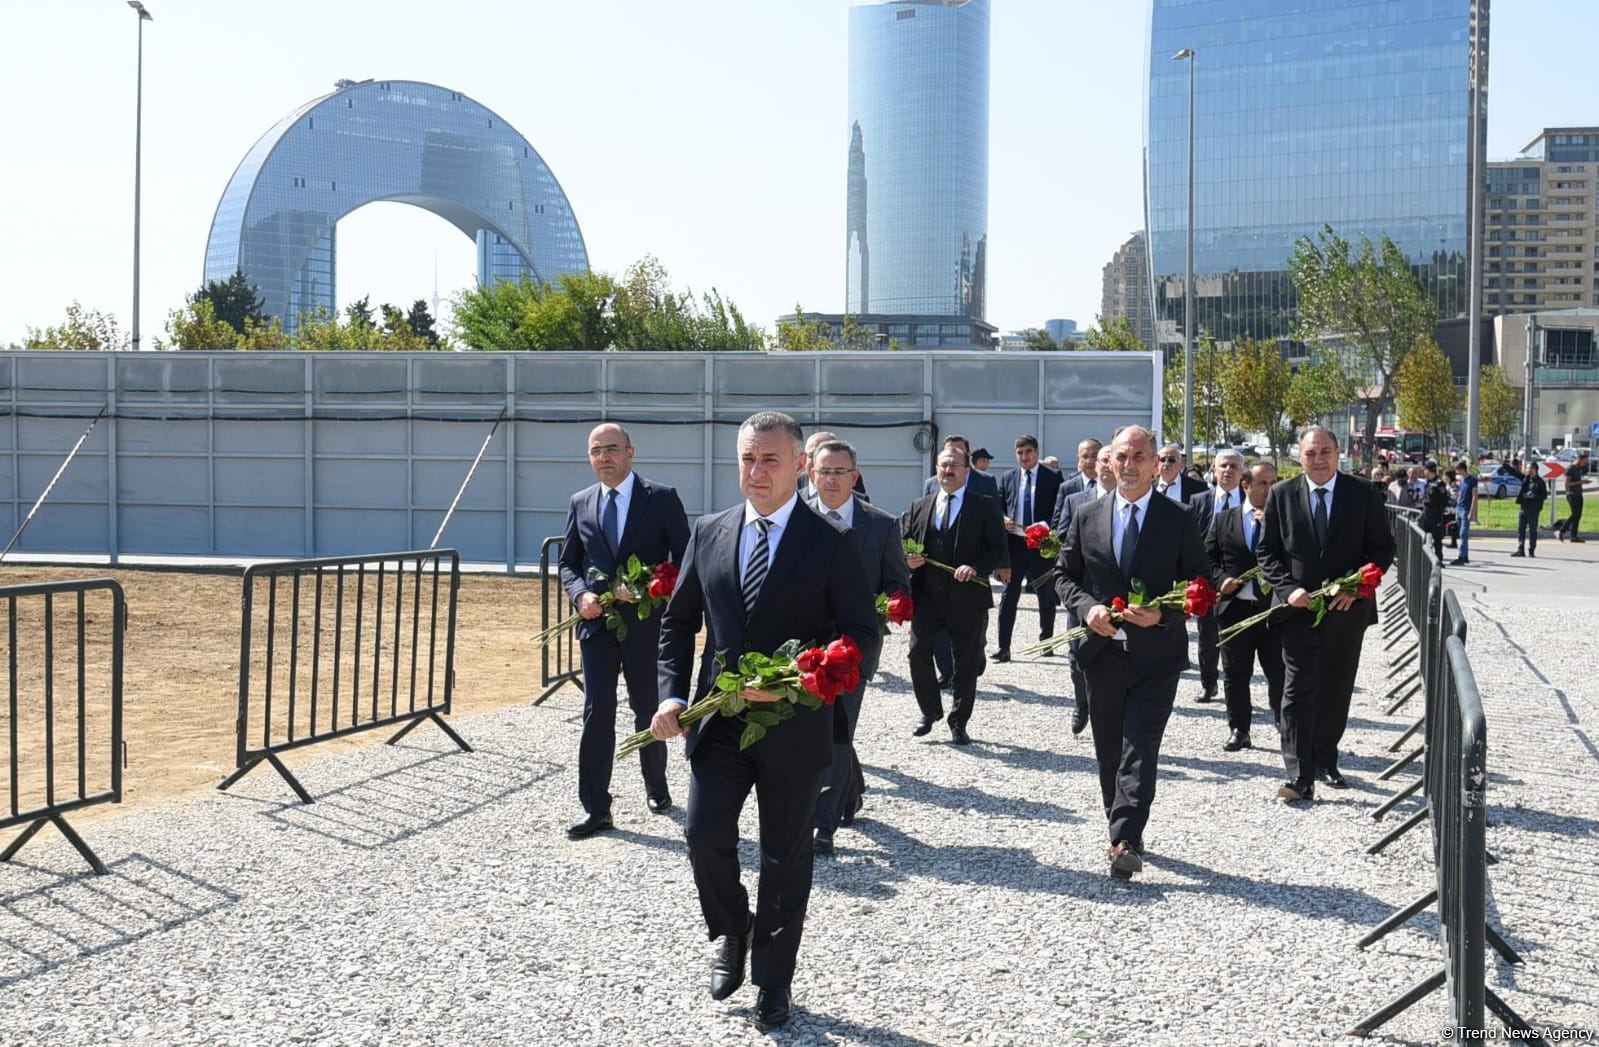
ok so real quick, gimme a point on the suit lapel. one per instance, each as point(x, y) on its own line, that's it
point(791, 549)
point(635, 513)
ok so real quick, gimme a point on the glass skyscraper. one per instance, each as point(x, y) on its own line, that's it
point(1348, 113)
point(392, 140)
point(917, 173)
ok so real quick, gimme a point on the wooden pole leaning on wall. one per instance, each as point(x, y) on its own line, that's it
point(52, 484)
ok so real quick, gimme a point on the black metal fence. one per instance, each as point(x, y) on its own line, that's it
point(563, 668)
point(83, 731)
point(1453, 787)
point(340, 645)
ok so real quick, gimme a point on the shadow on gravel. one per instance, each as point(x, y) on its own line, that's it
point(397, 804)
point(808, 1025)
point(73, 917)
point(963, 797)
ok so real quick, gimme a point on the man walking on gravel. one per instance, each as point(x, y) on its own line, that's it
point(1576, 473)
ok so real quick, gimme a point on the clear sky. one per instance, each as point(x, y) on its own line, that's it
point(710, 133)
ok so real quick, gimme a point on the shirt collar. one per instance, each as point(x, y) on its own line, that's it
point(1100, 490)
point(846, 512)
point(1328, 486)
point(623, 489)
point(956, 495)
point(779, 518)
point(1142, 503)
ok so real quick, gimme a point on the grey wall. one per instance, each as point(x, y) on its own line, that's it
point(320, 454)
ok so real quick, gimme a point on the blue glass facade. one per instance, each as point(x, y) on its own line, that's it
point(393, 140)
point(1349, 113)
point(917, 211)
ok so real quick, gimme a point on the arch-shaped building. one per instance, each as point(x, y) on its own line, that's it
point(387, 140)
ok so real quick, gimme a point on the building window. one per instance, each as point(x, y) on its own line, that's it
point(1560, 408)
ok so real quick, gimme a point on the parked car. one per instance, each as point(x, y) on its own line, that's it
point(1502, 482)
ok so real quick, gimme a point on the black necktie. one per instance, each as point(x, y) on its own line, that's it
point(1129, 541)
point(608, 522)
point(941, 518)
point(1321, 516)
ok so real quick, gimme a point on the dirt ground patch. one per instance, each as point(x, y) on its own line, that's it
point(180, 675)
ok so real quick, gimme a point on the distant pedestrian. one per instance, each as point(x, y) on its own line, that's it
point(1530, 500)
point(1576, 473)
point(1465, 511)
point(1434, 503)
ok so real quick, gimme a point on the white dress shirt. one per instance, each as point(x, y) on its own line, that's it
point(1249, 591)
point(1100, 490)
point(774, 533)
point(1174, 491)
point(1225, 500)
point(846, 512)
point(1328, 487)
point(624, 498)
point(1120, 507)
point(948, 507)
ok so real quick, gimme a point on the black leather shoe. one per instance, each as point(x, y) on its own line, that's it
point(922, 728)
point(1238, 740)
point(848, 817)
point(1332, 779)
point(660, 804)
point(1125, 861)
point(1519, 553)
point(594, 823)
point(1079, 718)
point(1001, 656)
point(727, 972)
point(824, 842)
point(772, 1007)
point(1458, 562)
point(1296, 792)
point(958, 735)
point(1208, 695)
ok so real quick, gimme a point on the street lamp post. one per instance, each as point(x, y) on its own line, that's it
point(1187, 54)
point(138, 142)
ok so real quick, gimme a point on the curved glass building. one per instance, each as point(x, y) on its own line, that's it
point(396, 140)
point(917, 211)
point(1349, 113)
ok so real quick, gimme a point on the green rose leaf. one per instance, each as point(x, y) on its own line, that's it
point(764, 717)
point(753, 732)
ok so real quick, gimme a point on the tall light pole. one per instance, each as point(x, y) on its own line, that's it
point(138, 143)
point(1477, 166)
point(1187, 55)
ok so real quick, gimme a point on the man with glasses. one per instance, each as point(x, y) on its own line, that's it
point(1173, 481)
point(621, 516)
point(1084, 479)
point(977, 483)
point(1206, 507)
point(1070, 507)
point(1321, 525)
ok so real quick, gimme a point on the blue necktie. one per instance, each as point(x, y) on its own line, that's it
point(1129, 542)
point(1027, 497)
point(608, 522)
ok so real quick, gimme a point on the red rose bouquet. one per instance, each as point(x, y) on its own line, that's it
point(1194, 598)
point(1046, 542)
point(1361, 584)
point(648, 587)
point(897, 609)
point(808, 676)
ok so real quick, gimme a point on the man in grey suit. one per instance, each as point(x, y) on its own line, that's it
point(1085, 479)
point(833, 469)
point(1069, 508)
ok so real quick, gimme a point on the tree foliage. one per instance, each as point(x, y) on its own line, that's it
point(234, 301)
point(1366, 299)
point(1319, 388)
point(1116, 335)
point(82, 329)
point(1258, 386)
point(803, 336)
point(1425, 392)
point(1498, 406)
point(1038, 339)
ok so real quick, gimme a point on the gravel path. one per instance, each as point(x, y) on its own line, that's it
point(429, 896)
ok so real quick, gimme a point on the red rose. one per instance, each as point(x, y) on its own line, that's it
point(657, 590)
point(837, 683)
point(1199, 597)
point(1366, 592)
point(1117, 604)
point(1370, 577)
point(901, 608)
point(810, 661)
point(813, 683)
point(843, 654)
point(1036, 535)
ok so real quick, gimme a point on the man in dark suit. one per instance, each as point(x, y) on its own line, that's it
point(1174, 481)
point(1206, 507)
point(1084, 479)
point(621, 516)
point(1028, 493)
point(767, 571)
point(1069, 508)
point(1231, 546)
point(965, 530)
point(977, 483)
point(833, 468)
point(1319, 526)
point(1132, 667)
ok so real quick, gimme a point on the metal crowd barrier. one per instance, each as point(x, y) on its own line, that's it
point(420, 679)
point(36, 675)
point(564, 667)
point(1453, 785)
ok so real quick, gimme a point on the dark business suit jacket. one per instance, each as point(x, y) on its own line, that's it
point(1073, 484)
point(1069, 507)
point(814, 591)
point(1228, 551)
point(1048, 488)
point(1189, 487)
point(876, 537)
point(1358, 534)
point(656, 529)
point(1203, 507)
point(1169, 549)
point(979, 541)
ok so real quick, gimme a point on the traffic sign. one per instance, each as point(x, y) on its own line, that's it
point(1551, 469)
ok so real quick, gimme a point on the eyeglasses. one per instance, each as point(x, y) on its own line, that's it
point(835, 473)
point(1168, 460)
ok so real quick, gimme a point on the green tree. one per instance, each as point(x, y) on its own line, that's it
point(801, 335)
point(1499, 407)
point(1319, 387)
point(1257, 385)
point(1367, 300)
point(359, 312)
point(1038, 339)
point(234, 301)
point(420, 321)
point(1117, 334)
point(1425, 392)
point(269, 335)
point(856, 335)
point(490, 317)
point(197, 326)
point(82, 329)
point(1211, 362)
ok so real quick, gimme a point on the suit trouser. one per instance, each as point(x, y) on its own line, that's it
point(1079, 682)
point(1261, 643)
point(944, 652)
point(838, 785)
point(1527, 527)
point(1127, 712)
point(603, 660)
point(966, 643)
point(1047, 600)
point(1209, 651)
point(1319, 666)
point(720, 779)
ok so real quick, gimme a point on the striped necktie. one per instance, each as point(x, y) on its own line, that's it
point(755, 570)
